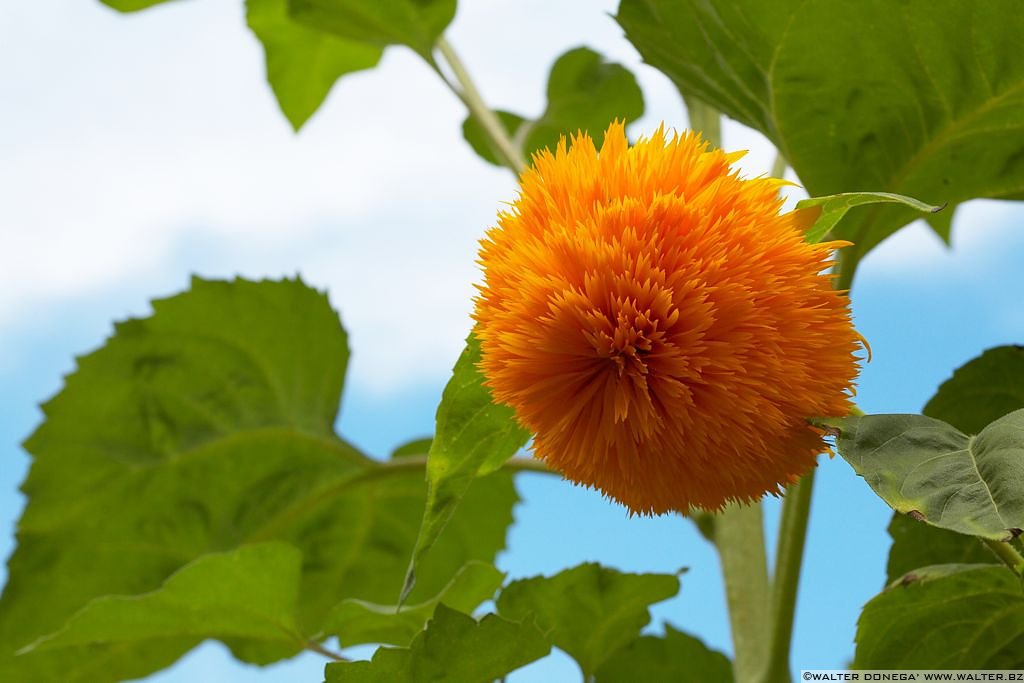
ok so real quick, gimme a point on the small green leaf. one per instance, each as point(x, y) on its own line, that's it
point(247, 593)
point(945, 617)
point(589, 611)
point(414, 447)
point(916, 544)
point(675, 657)
point(454, 647)
point(414, 23)
point(132, 5)
point(303, 64)
point(474, 436)
point(835, 206)
point(982, 390)
point(928, 469)
point(356, 622)
point(584, 93)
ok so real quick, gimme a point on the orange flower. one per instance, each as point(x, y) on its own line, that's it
point(659, 326)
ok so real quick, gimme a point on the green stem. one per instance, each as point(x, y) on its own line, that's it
point(467, 91)
point(739, 538)
point(1008, 554)
point(778, 166)
point(796, 507)
point(320, 649)
point(704, 118)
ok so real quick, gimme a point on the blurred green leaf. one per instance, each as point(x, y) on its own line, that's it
point(356, 622)
point(414, 23)
point(454, 647)
point(414, 447)
point(834, 207)
point(474, 436)
point(945, 617)
point(131, 5)
point(916, 544)
point(249, 593)
point(303, 64)
point(202, 428)
point(981, 390)
point(589, 611)
point(675, 657)
point(928, 469)
point(922, 98)
point(584, 93)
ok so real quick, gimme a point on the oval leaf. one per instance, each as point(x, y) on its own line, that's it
point(474, 436)
point(303, 64)
point(981, 390)
point(834, 207)
point(928, 469)
point(675, 657)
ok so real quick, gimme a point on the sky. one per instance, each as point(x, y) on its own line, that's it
point(137, 150)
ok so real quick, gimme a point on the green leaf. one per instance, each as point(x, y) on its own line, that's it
point(923, 98)
point(414, 23)
point(356, 622)
point(589, 611)
point(474, 436)
point(584, 93)
point(834, 207)
point(945, 617)
point(248, 593)
point(454, 647)
point(414, 447)
point(131, 5)
point(206, 427)
point(982, 390)
point(303, 64)
point(928, 469)
point(675, 657)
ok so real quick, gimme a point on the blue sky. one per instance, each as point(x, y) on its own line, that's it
point(142, 149)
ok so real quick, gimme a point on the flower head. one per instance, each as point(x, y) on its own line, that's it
point(659, 326)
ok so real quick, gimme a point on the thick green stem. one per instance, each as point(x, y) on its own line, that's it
point(739, 537)
point(796, 507)
point(467, 91)
point(1007, 554)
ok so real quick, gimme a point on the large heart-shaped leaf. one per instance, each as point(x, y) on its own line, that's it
point(945, 617)
point(930, 470)
point(203, 428)
point(923, 98)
